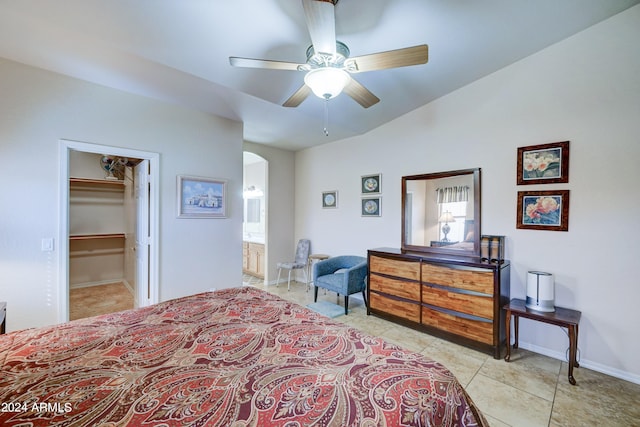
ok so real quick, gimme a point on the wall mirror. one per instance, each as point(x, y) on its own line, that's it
point(253, 211)
point(441, 212)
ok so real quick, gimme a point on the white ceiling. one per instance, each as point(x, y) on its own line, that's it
point(178, 50)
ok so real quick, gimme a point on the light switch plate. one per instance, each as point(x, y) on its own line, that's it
point(47, 244)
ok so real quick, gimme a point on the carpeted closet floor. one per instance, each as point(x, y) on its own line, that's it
point(101, 299)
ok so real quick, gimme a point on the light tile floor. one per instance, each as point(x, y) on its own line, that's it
point(531, 390)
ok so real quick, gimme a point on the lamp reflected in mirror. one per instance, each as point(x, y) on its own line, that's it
point(446, 217)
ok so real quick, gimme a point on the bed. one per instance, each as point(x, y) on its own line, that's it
point(234, 357)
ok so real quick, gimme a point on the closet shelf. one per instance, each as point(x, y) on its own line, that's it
point(90, 182)
point(96, 236)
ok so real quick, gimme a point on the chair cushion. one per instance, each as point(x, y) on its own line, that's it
point(291, 265)
point(331, 282)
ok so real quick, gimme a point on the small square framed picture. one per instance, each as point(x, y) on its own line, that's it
point(371, 206)
point(371, 184)
point(329, 199)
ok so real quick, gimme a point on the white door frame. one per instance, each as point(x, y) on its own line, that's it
point(65, 146)
point(141, 232)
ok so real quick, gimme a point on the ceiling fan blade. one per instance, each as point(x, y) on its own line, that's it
point(390, 59)
point(297, 98)
point(320, 17)
point(264, 63)
point(360, 94)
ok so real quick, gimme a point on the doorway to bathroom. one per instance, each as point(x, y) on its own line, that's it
point(254, 224)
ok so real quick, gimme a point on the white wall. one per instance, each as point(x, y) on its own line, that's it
point(37, 109)
point(585, 89)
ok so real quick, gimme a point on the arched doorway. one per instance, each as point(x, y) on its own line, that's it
point(254, 224)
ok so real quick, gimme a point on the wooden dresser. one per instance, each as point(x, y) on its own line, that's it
point(459, 299)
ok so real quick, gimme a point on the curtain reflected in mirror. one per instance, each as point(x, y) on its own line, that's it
point(441, 212)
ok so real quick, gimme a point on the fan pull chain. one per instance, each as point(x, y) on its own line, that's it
point(326, 117)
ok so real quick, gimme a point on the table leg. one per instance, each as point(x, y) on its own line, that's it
point(572, 352)
point(507, 330)
point(516, 321)
point(575, 361)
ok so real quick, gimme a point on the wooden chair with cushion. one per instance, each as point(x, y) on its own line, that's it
point(300, 262)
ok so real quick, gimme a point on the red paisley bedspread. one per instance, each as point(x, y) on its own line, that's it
point(236, 357)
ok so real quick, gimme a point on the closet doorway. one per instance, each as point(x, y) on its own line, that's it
point(108, 229)
point(254, 224)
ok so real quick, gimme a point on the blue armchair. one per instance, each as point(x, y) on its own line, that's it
point(343, 274)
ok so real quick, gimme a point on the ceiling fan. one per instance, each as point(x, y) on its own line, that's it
point(329, 67)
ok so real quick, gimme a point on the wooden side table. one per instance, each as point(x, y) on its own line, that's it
point(562, 317)
point(3, 317)
point(312, 258)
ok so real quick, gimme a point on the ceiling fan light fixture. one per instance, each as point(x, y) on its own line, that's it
point(327, 82)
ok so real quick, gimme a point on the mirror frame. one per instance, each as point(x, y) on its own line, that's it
point(477, 192)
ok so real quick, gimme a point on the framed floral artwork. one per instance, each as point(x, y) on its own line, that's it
point(543, 210)
point(329, 199)
point(371, 206)
point(200, 197)
point(543, 164)
point(371, 184)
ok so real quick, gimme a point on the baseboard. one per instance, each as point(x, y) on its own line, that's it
point(98, 283)
point(103, 282)
point(130, 288)
point(594, 366)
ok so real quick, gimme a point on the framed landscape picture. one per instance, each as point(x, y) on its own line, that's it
point(543, 164)
point(543, 210)
point(200, 197)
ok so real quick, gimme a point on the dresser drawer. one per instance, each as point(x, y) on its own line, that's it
point(403, 309)
point(476, 330)
point(399, 288)
point(481, 306)
point(468, 278)
point(393, 267)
